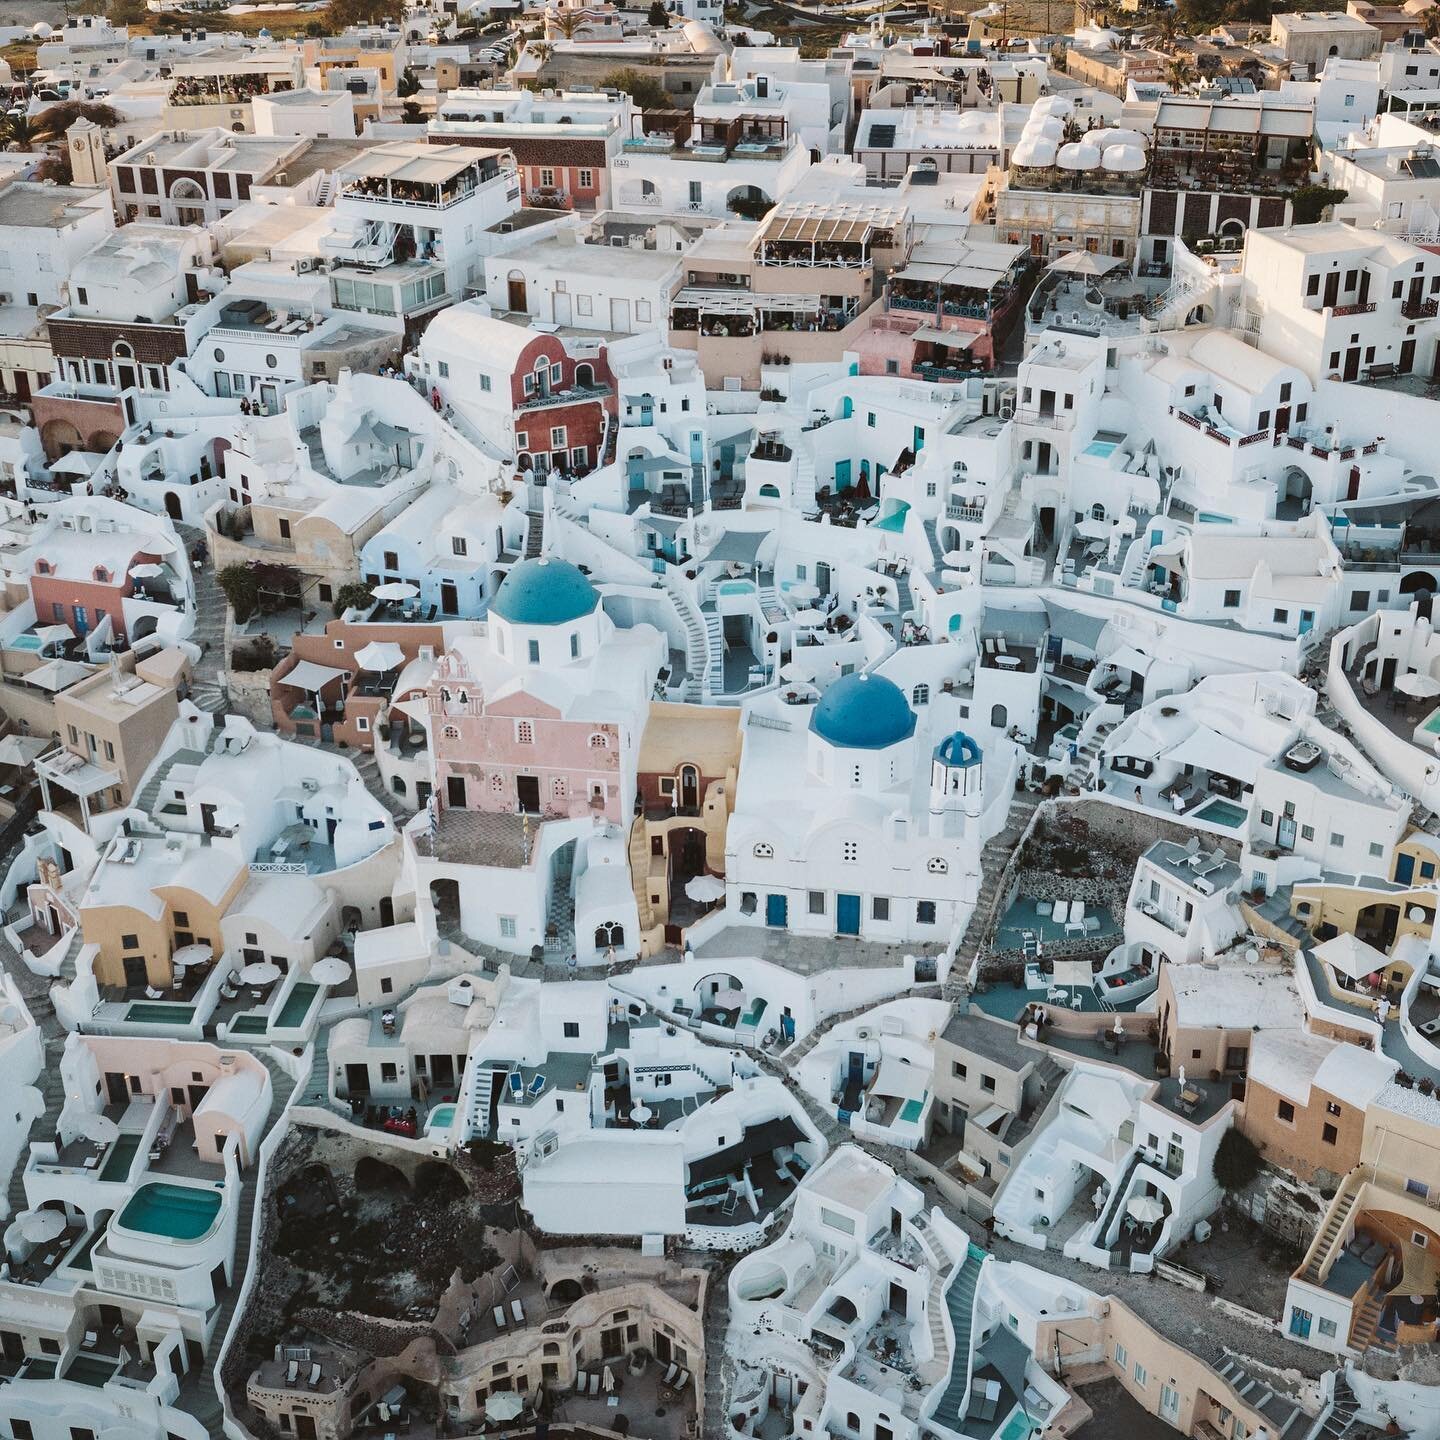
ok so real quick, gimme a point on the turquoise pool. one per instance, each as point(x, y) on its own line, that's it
point(1017, 1427)
point(117, 1162)
point(33, 643)
point(178, 1212)
point(297, 1006)
point(91, 1370)
point(1221, 812)
point(735, 587)
point(894, 522)
point(1431, 725)
point(440, 1117)
point(911, 1111)
point(158, 1012)
point(1101, 449)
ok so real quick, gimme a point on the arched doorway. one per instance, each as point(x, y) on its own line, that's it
point(189, 201)
point(689, 788)
point(609, 934)
point(172, 506)
point(445, 902)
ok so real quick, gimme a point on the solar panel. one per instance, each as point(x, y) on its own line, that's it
point(882, 137)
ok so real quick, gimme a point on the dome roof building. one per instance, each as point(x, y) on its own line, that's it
point(863, 712)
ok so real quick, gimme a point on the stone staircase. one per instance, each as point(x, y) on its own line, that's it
point(50, 1086)
point(1286, 1420)
point(697, 488)
point(211, 607)
point(718, 1362)
point(1362, 1332)
point(534, 533)
point(770, 605)
point(937, 555)
point(639, 873)
point(715, 652)
point(1340, 1210)
point(1078, 775)
point(1117, 1196)
point(904, 600)
point(369, 769)
point(994, 859)
point(960, 1302)
point(804, 487)
point(325, 191)
point(1340, 1416)
point(560, 917)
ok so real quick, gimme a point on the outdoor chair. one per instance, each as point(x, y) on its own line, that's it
point(582, 1382)
point(517, 1312)
point(314, 1375)
point(292, 1372)
point(499, 1314)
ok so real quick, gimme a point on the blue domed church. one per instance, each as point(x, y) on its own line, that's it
point(858, 823)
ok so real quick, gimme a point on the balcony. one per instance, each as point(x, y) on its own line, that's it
point(1367, 308)
point(575, 395)
point(1419, 309)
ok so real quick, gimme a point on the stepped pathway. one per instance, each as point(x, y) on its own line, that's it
point(1079, 772)
point(207, 688)
point(1340, 1416)
point(994, 859)
point(534, 533)
point(48, 1082)
point(719, 1363)
point(1338, 1216)
point(199, 1390)
point(1287, 1419)
point(960, 1302)
point(369, 768)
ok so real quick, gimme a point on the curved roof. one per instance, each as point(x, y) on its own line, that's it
point(544, 591)
point(863, 712)
point(958, 749)
point(470, 329)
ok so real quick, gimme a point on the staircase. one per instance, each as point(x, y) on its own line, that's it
point(1286, 1420)
point(560, 917)
point(52, 1090)
point(697, 655)
point(369, 769)
point(804, 487)
point(639, 872)
point(904, 600)
point(1362, 1332)
point(325, 191)
point(715, 650)
point(211, 607)
point(770, 605)
point(1171, 308)
point(534, 533)
point(1078, 775)
point(1117, 1197)
point(1335, 1222)
point(960, 1302)
point(994, 859)
point(697, 488)
point(149, 795)
point(1340, 1416)
point(937, 555)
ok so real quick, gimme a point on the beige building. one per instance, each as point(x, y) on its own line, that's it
point(1308, 38)
point(111, 727)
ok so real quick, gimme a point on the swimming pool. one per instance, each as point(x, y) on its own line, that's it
point(894, 522)
point(32, 643)
point(1431, 724)
point(1221, 812)
point(1017, 1427)
point(911, 1111)
point(157, 1012)
point(91, 1369)
point(249, 1025)
point(1101, 449)
point(178, 1212)
point(439, 1118)
point(735, 587)
point(117, 1162)
point(297, 1006)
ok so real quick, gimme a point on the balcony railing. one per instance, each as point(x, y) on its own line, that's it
point(1419, 309)
point(1366, 309)
point(573, 396)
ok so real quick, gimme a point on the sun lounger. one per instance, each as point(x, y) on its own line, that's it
point(670, 1374)
point(517, 1312)
point(292, 1372)
point(582, 1382)
point(499, 1314)
point(314, 1375)
point(595, 1384)
point(517, 1085)
point(682, 1380)
point(537, 1085)
point(151, 993)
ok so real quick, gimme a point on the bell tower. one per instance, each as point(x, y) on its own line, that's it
point(87, 153)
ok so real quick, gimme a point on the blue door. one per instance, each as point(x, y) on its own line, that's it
point(847, 914)
point(775, 911)
point(842, 475)
point(1404, 869)
point(82, 623)
point(1307, 621)
point(697, 447)
point(847, 407)
point(1300, 1323)
point(919, 439)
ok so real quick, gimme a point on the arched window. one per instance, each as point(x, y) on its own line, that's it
point(764, 851)
point(920, 695)
point(452, 732)
point(525, 733)
point(1097, 511)
point(609, 933)
point(585, 375)
point(599, 741)
point(999, 716)
point(102, 574)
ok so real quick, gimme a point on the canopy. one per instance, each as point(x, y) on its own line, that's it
point(97, 1127)
point(189, 955)
point(1351, 956)
point(42, 1226)
point(259, 972)
point(704, 889)
point(380, 656)
point(1205, 749)
point(1421, 687)
point(49, 634)
point(395, 590)
point(503, 1405)
point(309, 676)
point(76, 462)
point(22, 749)
point(1127, 657)
point(147, 571)
point(332, 970)
point(1082, 262)
point(741, 546)
point(908, 1082)
point(56, 675)
point(1147, 1209)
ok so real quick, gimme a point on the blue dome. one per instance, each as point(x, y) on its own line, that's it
point(958, 750)
point(544, 592)
point(863, 712)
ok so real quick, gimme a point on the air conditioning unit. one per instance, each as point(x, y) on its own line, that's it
point(309, 785)
point(864, 1033)
point(1007, 409)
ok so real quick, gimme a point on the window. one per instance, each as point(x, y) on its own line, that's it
point(1331, 1108)
point(1307, 832)
point(987, 1084)
point(850, 851)
point(764, 851)
point(386, 985)
point(1329, 1134)
point(572, 1029)
point(1232, 599)
point(1286, 1112)
point(959, 1070)
point(1336, 838)
point(1417, 1187)
point(586, 179)
point(484, 382)
point(1281, 617)
point(557, 437)
point(870, 420)
point(507, 927)
point(182, 919)
point(920, 695)
point(458, 545)
point(1140, 1376)
point(388, 1072)
point(534, 652)
point(524, 732)
point(1376, 849)
point(130, 942)
point(936, 866)
point(924, 912)
point(1122, 1358)
point(880, 907)
point(1326, 1328)
point(816, 905)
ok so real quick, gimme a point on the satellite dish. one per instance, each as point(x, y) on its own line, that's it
point(1253, 955)
point(1416, 914)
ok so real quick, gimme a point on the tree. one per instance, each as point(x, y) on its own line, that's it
point(1309, 202)
point(1237, 1161)
point(642, 87)
point(20, 132)
point(658, 15)
point(567, 22)
point(55, 120)
point(1179, 73)
point(342, 13)
point(241, 585)
point(353, 595)
point(407, 84)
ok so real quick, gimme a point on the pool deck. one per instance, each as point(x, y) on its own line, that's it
point(1022, 916)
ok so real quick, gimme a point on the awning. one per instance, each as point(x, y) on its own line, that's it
point(1075, 625)
point(990, 1115)
point(1205, 749)
point(1129, 658)
point(955, 339)
point(56, 675)
point(655, 465)
point(1351, 956)
point(906, 1082)
point(310, 677)
point(738, 546)
point(22, 749)
point(758, 1140)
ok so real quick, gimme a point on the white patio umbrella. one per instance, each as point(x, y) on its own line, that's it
point(76, 462)
point(148, 571)
point(803, 592)
point(22, 749)
point(395, 590)
point(809, 619)
point(705, 889)
point(188, 955)
point(503, 1405)
point(608, 1380)
point(1119, 1026)
point(1418, 686)
point(1145, 1208)
point(1082, 262)
point(42, 1226)
point(332, 970)
point(380, 656)
point(259, 972)
point(641, 1113)
point(99, 1128)
point(1182, 1077)
point(49, 634)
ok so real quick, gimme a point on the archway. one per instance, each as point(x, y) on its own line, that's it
point(999, 716)
point(685, 859)
point(750, 202)
point(609, 934)
point(445, 901)
point(58, 437)
point(565, 1292)
point(189, 201)
point(375, 1175)
point(172, 506)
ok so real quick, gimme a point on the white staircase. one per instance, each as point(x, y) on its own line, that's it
point(804, 476)
point(1173, 305)
point(715, 670)
point(325, 191)
point(697, 653)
